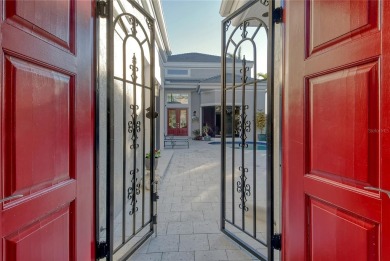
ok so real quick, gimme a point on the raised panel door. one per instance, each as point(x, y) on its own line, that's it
point(335, 131)
point(47, 130)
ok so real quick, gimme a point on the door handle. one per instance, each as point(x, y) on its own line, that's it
point(11, 197)
point(379, 190)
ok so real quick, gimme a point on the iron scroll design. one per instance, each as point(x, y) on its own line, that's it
point(243, 188)
point(134, 127)
point(134, 68)
point(227, 25)
point(133, 191)
point(264, 2)
point(243, 127)
point(149, 23)
point(243, 27)
point(244, 70)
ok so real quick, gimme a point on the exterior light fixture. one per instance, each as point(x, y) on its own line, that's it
point(194, 117)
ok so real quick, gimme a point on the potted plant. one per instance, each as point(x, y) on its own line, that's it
point(206, 130)
point(197, 135)
point(261, 121)
point(157, 154)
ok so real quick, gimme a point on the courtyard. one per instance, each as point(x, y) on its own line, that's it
point(189, 209)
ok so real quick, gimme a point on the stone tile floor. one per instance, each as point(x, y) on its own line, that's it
point(188, 211)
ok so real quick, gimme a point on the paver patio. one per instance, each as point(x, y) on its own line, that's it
point(188, 210)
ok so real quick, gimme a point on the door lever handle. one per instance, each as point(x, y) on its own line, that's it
point(379, 190)
point(11, 197)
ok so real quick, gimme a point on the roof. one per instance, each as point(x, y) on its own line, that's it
point(197, 58)
point(229, 79)
point(194, 57)
point(196, 81)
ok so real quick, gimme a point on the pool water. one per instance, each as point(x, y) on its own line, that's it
point(259, 145)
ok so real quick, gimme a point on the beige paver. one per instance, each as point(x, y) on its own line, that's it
point(210, 255)
point(189, 210)
point(164, 243)
point(178, 256)
point(180, 228)
point(146, 257)
point(194, 242)
point(206, 227)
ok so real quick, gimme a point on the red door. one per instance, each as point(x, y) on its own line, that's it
point(336, 130)
point(47, 130)
point(178, 122)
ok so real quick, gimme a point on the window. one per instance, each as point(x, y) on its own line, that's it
point(178, 72)
point(177, 98)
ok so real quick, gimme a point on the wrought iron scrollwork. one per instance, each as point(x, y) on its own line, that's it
point(264, 2)
point(134, 24)
point(149, 23)
point(243, 188)
point(227, 24)
point(134, 68)
point(244, 70)
point(243, 27)
point(133, 191)
point(134, 126)
point(243, 127)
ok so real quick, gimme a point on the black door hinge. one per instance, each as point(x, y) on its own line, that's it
point(102, 250)
point(277, 15)
point(276, 241)
point(155, 197)
point(102, 9)
point(154, 219)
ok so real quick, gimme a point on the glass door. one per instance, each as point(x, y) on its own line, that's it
point(178, 122)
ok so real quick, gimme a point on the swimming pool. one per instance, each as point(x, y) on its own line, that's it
point(260, 145)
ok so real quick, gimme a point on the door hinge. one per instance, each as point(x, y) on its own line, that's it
point(154, 219)
point(155, 197)
point(277, 15)
point(102, 250)
point(276, 241)
point(102, 9)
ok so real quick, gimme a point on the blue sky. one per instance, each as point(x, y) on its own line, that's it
point(193, 25)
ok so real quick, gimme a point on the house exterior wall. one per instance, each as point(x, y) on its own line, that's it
point(202, 82)
point(195, 106)
point(204, 73)
point(213, 98)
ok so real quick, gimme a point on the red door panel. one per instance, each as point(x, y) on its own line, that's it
point(342, 107)
point(333, 129)
point(47, 130)
point(46, 232)
point(178, 122)
point(349, 232)
point(40, 97)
